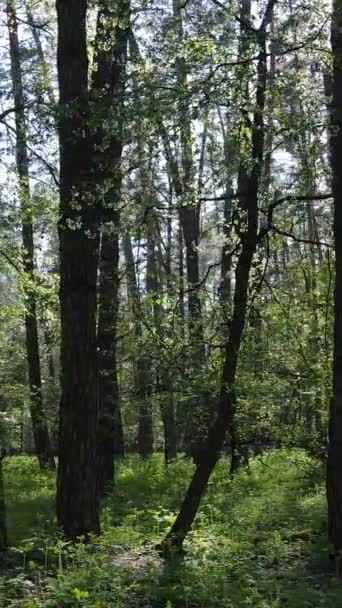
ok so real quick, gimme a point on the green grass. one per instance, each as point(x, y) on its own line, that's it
point(259, 540)
point(29, 498)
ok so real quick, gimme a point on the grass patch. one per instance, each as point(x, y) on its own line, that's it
point(259, 540)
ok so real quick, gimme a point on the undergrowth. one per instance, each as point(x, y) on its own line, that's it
point(259, 540)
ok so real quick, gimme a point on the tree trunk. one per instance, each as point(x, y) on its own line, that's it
point(38, 416)
point(182, 175)
point(41, 55)
point(334, 475)
point(142, 380)
point(108, 380)
point(109, 87)
point(209, 455)
point(167, 391)
point(3, 522)
point(164, 382)
point(77, 501)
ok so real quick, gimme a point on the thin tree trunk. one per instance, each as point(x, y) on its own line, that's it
point(167, 392)
point(38, 416)
point(77, 500)
point(108, 377)
point(182, 175)
point(173, 541)
point(164, 381)
point(142, 379)
point(334, 476)
point(110, 62)
point(210, 454)
point(41, 55)
point(181, 284)
point(3, 519)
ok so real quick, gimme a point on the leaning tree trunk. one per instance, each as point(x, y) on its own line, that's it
point(77, 503)
point(173, 541)
point(38, 415)
point(210, 454)
point(334, 475)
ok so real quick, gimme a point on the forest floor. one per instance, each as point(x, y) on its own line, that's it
point(259, 540)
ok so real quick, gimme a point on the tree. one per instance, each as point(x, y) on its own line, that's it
point(3, 521)
point(182, 176)
point(38, 416)
point(77, 498)
point(141, 363)
point(209, 455)
point(334, 477)
point(109, 85)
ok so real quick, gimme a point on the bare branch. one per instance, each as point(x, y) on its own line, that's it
point(10, 261)
point(301, 240)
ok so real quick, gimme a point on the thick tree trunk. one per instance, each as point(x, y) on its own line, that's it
point(38, 416)
point(334, 475)
point(77, 501)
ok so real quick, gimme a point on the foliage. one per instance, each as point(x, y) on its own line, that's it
point(259, 540)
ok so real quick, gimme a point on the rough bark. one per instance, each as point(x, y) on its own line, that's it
point(334, 476)
point(38, 416)
point(77, 501)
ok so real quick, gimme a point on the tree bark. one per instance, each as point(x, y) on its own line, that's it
point(334, 476)
point(77, 500)
point(38, 416)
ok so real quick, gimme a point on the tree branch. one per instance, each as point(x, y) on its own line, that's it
point(10, 261)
